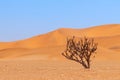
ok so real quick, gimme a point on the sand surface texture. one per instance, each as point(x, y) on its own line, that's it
point(39, 57)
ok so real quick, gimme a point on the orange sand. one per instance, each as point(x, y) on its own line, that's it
point(39, 57)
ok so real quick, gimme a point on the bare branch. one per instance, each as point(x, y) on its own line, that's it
point(80, 50)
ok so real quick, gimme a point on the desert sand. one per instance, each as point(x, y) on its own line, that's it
point(39, 57)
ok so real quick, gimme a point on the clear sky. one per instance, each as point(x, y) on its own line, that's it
point(20, 19)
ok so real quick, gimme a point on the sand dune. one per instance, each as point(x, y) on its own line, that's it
point(103, 30)
point(39, 57)
point(107, 36)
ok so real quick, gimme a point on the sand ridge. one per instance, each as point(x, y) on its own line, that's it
point(40, 58)
point(107, 36)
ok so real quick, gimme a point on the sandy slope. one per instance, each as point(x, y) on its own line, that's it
point(107, 36)
point(39, 57)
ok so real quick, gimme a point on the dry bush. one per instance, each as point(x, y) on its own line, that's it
point(80, 50)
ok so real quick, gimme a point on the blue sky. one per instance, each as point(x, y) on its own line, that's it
point(20, 19)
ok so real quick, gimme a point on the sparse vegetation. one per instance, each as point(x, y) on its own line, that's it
point(80, 50)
